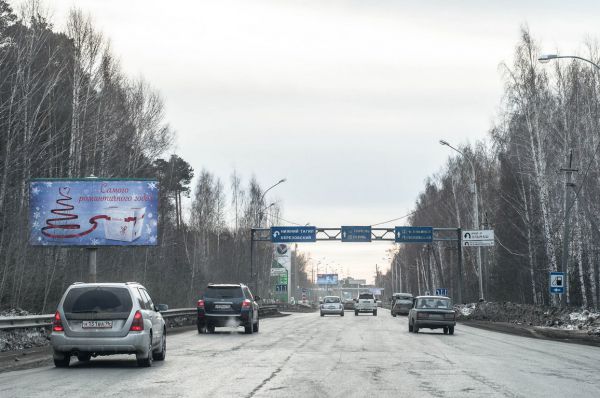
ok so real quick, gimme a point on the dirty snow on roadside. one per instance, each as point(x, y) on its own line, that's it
point(18, 339)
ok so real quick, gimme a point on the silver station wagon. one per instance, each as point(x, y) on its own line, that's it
point(108, 318)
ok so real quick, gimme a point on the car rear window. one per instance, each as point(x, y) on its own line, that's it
point(331, 300)
point(432, 303)
point(223, 292)
point(97, 299)
point(366, 296)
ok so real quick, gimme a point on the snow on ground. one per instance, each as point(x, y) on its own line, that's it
point(18, 339)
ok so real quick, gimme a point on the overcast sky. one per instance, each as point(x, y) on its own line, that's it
point(345, 99)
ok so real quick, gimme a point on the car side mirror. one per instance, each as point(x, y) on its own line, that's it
point(320, 301)
point(162, 307)
point(256, 298)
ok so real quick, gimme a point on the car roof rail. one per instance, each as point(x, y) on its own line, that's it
point(132, 283)
point(77, 283)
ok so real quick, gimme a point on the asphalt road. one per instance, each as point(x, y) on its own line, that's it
point(304, 355)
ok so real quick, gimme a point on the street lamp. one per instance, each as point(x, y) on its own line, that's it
point(475, 211)
point(545, 58)
point(263, 196)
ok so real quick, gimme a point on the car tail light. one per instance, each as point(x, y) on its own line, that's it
point(450, 315)
point(138, 322)
point(422, 315)
point(201, 304)
point(57, 323)
point(246, 304)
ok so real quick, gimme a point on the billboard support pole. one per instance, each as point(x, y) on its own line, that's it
point(92, 264)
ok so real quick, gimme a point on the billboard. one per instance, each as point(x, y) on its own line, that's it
point(327, 279)
point(93, 212)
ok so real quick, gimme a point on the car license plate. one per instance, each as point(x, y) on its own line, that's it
point(436, 316)
point(96, 324)
point(331, 307)
point(222, 306)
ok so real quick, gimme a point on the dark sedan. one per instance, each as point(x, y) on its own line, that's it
point(432, 312)
point(401, 303)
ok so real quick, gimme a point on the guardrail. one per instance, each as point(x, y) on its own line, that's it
point(36, 321)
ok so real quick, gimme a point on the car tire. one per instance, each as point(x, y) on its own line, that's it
point(201, 329)
point(144, 360)
point(322, 314)
point(355, 313)
point(342, 313)
point(415, 329)
point(375, 313)
point(451, 329)
point(410, 327)
point(61, 360)
point(445, 330)
point(160, 355)
point(394, 314)
point(84, 357)
point(210, 329)
point(248, 328)
point(255, 326)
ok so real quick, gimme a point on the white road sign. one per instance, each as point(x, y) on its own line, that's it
point(483, 237)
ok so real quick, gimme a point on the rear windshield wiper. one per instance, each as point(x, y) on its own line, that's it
point(85, 312)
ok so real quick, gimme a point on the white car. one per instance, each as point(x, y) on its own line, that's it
point(365, 303)
point(332, 305)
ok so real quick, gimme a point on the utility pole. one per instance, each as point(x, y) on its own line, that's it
point(565, 249)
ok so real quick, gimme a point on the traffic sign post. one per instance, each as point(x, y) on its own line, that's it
point(557, 282)
point(293, 234)
point(356, 234)
point(413, 234)
point(484, 237)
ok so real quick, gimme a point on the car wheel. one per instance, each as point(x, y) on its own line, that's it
point(210, 329)
point(415, 329)
point(342, 313)
point(255, 327)
point(410, 327)
point(61, 360)
point(84, 357)
point(322, 314)
point(375, 313)
point(451, 329)
point(144, 360)
point(248, 327)
point(394, 314)
point(201, 329)
point(356, 313)
point(445, 330)
point(160, 355)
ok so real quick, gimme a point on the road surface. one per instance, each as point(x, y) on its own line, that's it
point(304, 355)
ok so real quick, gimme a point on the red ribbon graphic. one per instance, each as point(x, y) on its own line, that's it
point(65, 216)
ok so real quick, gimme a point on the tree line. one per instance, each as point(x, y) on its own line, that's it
point(548, 122)
point(68, 110)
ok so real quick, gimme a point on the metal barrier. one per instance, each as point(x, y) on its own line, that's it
point(36, 321)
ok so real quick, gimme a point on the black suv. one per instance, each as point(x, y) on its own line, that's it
point(228, 305)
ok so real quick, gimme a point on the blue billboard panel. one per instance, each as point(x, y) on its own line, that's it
point(293, 234)
point(557, 282)
point(93, 212)
point(413, 234)
point(356, 234)
point(327, 279)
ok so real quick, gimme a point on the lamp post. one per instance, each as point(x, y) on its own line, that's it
point(260, 213)
point(475, 212)
point(545, 58)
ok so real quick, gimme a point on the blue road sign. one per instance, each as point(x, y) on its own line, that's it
point(413, 234)
point(356, 234)
point(293, 234)
point(557, 282)
point(441, 292)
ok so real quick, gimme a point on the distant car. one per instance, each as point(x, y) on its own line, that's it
point(228, 305)
point(433, 312)
point(108, 318)
point(349, 304)
point(365, 303)
point(331, 305)
point(401, 303)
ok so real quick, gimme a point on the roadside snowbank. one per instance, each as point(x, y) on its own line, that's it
point(532, 315)
point(17, 339)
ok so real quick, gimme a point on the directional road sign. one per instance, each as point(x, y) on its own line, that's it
point(557, 282)
point(484, 237)
point(356, 234)
point(293, 234)
point(441, 291)
point(414, 234)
